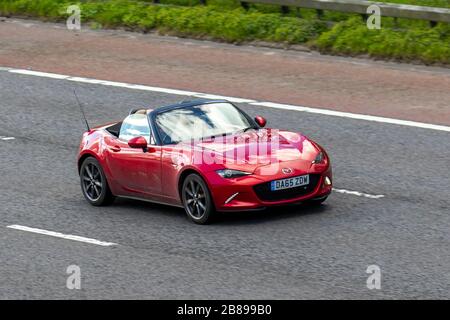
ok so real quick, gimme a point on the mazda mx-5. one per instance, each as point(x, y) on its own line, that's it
point(204, 156)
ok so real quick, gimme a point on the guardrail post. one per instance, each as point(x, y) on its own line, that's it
point(395, 22)
point(244, 5)
point(319, 13)
point(364, 16)
point(433, 24)
point(284, 9)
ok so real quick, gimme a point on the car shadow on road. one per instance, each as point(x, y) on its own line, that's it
point(224, 218)
point(146, 207)
point(269, 214)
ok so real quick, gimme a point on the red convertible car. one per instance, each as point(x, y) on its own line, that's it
point(204, 156)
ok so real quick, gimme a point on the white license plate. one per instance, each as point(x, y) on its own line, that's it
point(289, 183)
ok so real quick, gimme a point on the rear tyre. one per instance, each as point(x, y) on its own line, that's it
point(94, 186)
point(197, 200)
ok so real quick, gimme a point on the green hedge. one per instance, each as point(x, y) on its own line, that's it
point(230, 25)
point(405, 40)
point(352, 37)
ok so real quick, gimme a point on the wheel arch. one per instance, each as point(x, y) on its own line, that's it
point(84, 157)
point(182, 176)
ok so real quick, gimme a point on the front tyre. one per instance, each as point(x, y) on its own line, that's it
point(197, 199)
point(94, 186)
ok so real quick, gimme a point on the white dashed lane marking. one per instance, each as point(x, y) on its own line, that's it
point(6, 138)
point(359, 194)
point(61, 235)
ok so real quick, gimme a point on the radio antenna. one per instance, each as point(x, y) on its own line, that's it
point(81, 109)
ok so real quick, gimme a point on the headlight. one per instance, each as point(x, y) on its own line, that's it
point(229, 173)
point(320, 158)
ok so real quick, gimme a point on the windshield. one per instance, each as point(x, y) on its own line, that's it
point(200, 121)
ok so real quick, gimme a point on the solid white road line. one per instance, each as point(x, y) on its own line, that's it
point(235, 99)
point(128, 85)
point(353, 116)
point(359, 194)
point(61, 235)
point(6, 138)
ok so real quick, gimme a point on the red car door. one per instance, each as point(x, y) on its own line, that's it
point(136, 171)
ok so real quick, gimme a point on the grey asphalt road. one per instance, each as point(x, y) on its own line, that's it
point(285, 253)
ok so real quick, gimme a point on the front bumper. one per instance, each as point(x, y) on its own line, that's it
point(241, 194)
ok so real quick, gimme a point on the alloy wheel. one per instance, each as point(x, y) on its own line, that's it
point(195, 199)
point(92, 181)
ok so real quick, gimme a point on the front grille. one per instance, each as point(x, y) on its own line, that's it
point(265, 194)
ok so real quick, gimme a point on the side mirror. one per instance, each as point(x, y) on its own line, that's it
point(260, 121)
point(138, 143)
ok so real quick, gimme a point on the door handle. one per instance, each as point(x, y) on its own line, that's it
point(114, 148)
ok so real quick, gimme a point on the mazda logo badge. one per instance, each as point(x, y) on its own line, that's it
point(286, 170)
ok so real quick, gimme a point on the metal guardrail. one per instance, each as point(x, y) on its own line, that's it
point(431, 14)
